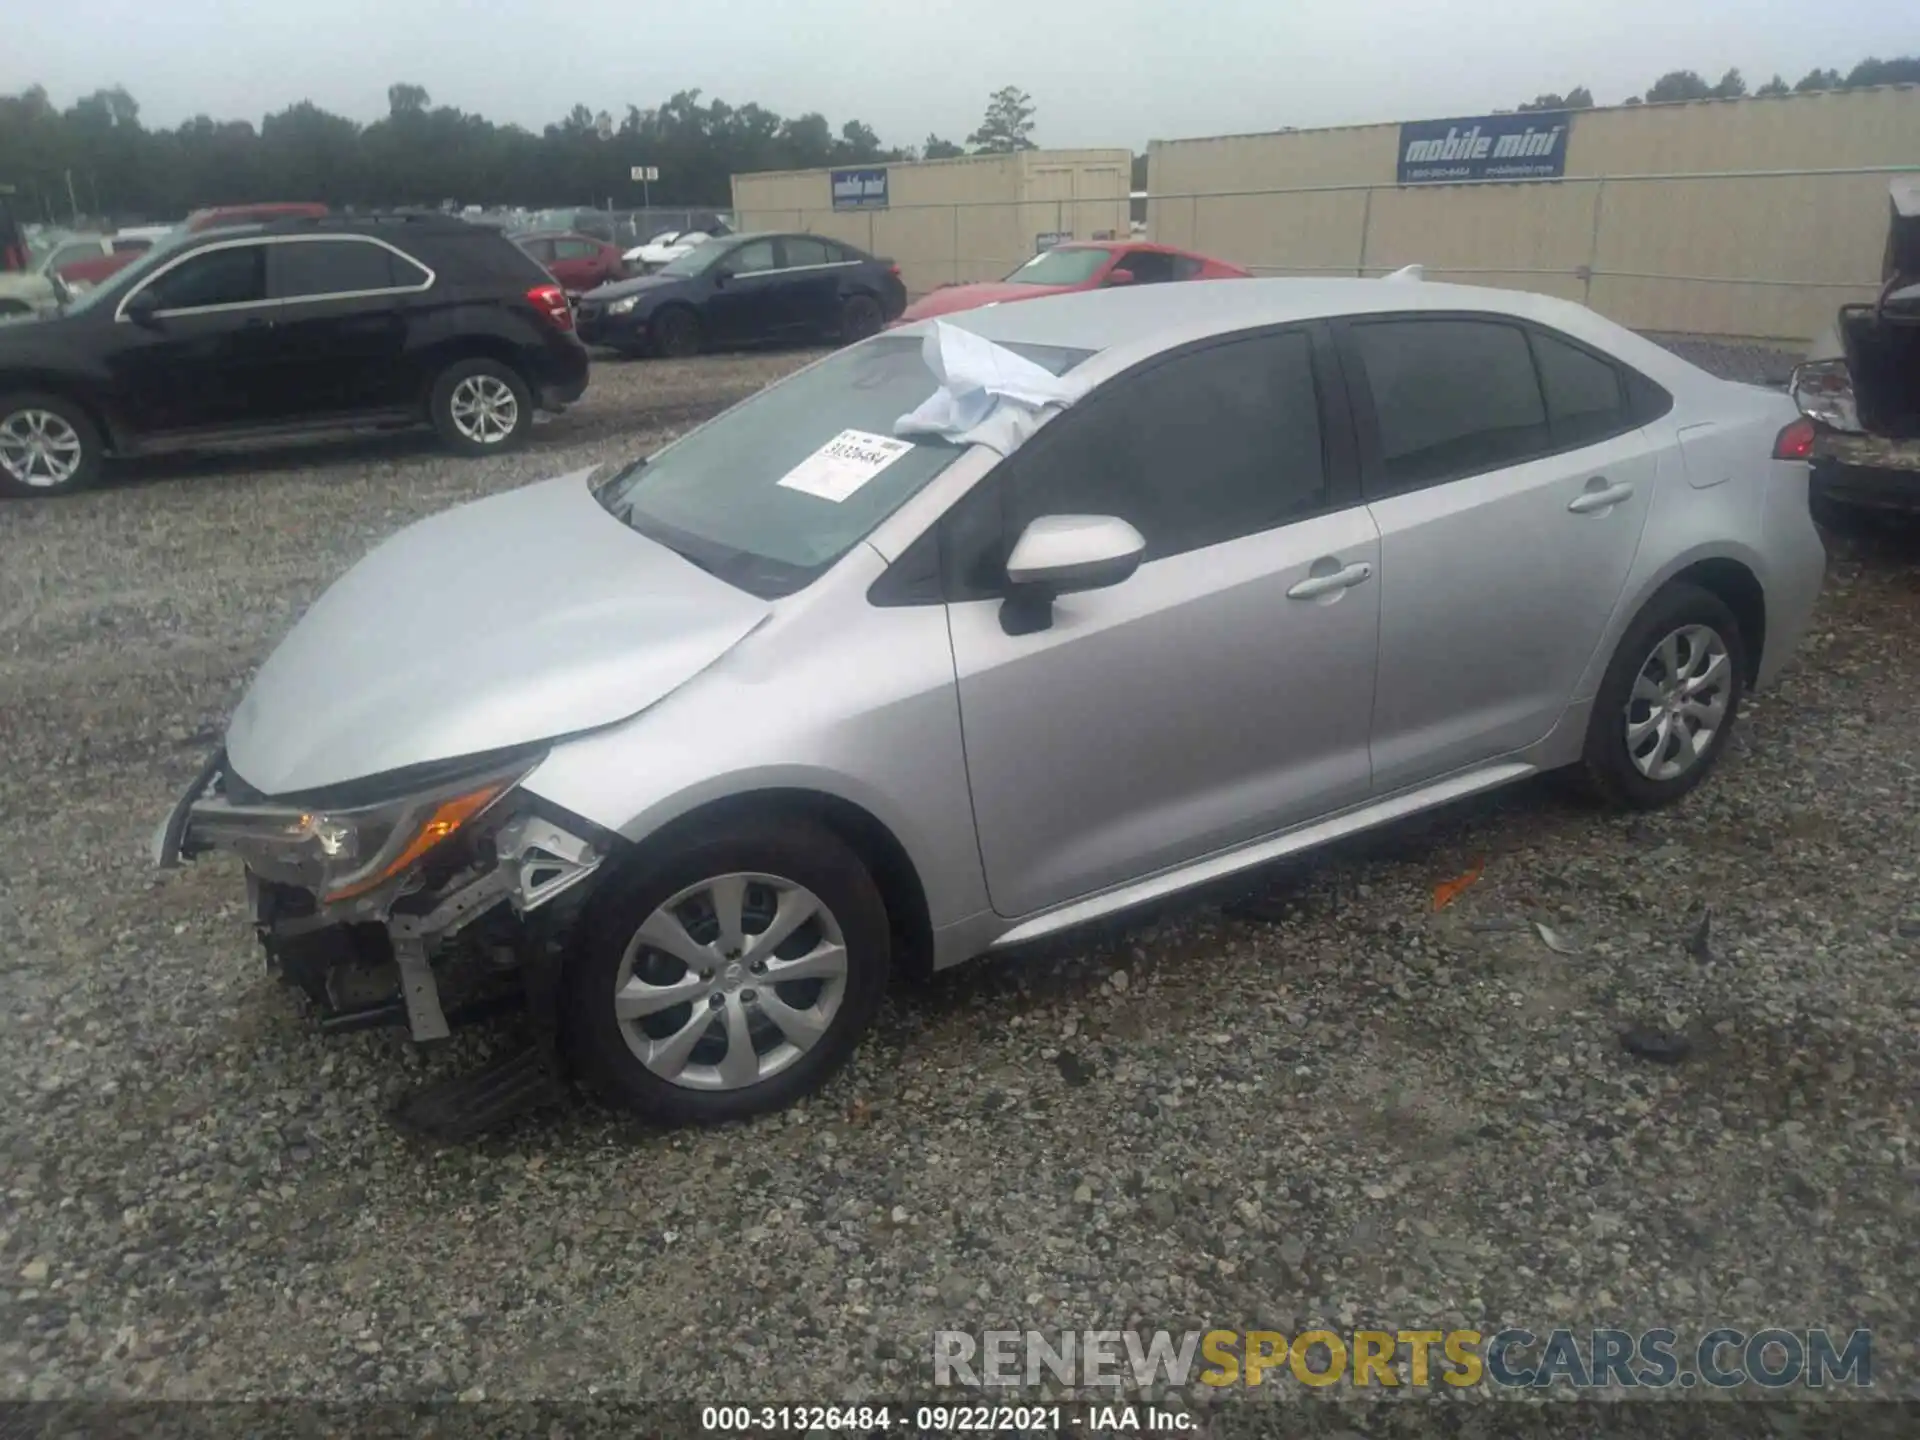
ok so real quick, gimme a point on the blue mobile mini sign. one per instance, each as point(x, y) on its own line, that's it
point(859, 189)
point(1486, 147)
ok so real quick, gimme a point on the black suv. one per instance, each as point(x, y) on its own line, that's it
point(293, 328)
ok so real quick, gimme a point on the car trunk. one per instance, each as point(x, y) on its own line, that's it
point(1882, 340)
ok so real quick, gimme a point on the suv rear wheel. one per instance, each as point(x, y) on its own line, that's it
point(481, 407)
point(47, 446)
point(729, 977)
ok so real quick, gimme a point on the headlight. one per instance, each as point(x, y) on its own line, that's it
point(622, 307)
point(342, 854)
point(1824, 392)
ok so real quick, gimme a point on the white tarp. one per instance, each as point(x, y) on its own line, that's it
point(988, 395)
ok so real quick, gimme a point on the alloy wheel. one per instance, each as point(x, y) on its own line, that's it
point(39, 449)
point(731, 981)
point(484, 409)
point(1678, 704)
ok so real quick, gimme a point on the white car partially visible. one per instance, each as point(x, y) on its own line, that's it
point(667, 246)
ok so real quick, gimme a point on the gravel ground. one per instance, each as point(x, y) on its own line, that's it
point(1320, 1101)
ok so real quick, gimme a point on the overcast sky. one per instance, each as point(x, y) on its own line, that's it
point(1101, 72)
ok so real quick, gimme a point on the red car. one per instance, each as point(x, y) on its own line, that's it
point(89, 260)
point(578, 262)
point(1077, 265)
point(218, 217)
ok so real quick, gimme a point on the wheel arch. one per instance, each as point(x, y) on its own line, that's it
point(1740, 590)
point(887, 860)
point(1730, 572)
point(112, 434)
point(451, 351)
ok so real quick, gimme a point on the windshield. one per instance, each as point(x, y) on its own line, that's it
point(1060, 267)
point(109, 290)
point(736, 498)
point(696, 261)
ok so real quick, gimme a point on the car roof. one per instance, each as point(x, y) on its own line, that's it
point(1139, 321)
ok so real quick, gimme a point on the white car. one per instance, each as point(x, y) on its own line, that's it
point(666, 247)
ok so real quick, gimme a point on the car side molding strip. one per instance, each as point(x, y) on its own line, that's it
point(1259, 852)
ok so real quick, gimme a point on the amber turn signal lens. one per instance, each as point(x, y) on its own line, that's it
point(447, 817)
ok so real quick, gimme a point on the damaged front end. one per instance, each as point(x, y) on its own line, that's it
point(1860, 385)
point(422, 898)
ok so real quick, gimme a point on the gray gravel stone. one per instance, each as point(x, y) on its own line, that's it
point(1352, 1109)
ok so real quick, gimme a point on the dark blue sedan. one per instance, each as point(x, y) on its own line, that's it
point(746, 290)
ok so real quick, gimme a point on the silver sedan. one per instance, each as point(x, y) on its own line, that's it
point(698, 751)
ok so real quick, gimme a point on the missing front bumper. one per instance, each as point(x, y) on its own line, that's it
point(479, 903)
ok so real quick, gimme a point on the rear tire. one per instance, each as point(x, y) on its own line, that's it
point(48, 446)
point(860, 316)
point(657, 1052)
point(676, 333)
point(481, 407)
point(1669, 701)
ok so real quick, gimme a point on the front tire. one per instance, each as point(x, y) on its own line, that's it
point(1668, 703)
point(48, 446)
point(729, 976)
point(676, 333)
point(480, 407)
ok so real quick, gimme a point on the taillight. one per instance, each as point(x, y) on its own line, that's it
point(551, 302)
point(894, 270)
point(1796, 441)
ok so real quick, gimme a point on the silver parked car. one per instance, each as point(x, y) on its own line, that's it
point(698, 751)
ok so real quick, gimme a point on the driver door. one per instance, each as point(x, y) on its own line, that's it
point(207, 357)
point(745, 300)
point(1223, 691)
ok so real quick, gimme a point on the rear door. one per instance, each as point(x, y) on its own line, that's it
point(1220, 693)
point(341, 329)
point(1510, 485)
point(206, 358)
point(745, 304)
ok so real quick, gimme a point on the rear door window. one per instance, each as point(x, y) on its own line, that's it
point(802, 251)
point(1450, 398)
point(315, 269)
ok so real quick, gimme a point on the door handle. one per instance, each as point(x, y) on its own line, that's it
point(1605, 498)
point(1315, 586)
point(258, 325)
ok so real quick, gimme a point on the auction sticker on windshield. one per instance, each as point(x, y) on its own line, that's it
point(845, 463)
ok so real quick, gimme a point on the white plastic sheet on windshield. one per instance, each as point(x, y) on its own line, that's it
point(988, 395)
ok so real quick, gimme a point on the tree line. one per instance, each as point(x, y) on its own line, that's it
point(96, 158)
point(1691, 85)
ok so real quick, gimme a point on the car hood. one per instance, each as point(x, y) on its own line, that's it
point(503, 622)
point(649, 287)
point(951, 298)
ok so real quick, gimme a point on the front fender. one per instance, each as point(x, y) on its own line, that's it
point(859, 707)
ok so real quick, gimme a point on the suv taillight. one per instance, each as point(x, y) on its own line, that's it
point(551, 302)
point(1796, 441)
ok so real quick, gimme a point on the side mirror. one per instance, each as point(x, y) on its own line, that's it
point(721, 276)
point(143, 309)
point(1063, 554)
point(1117, 276)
